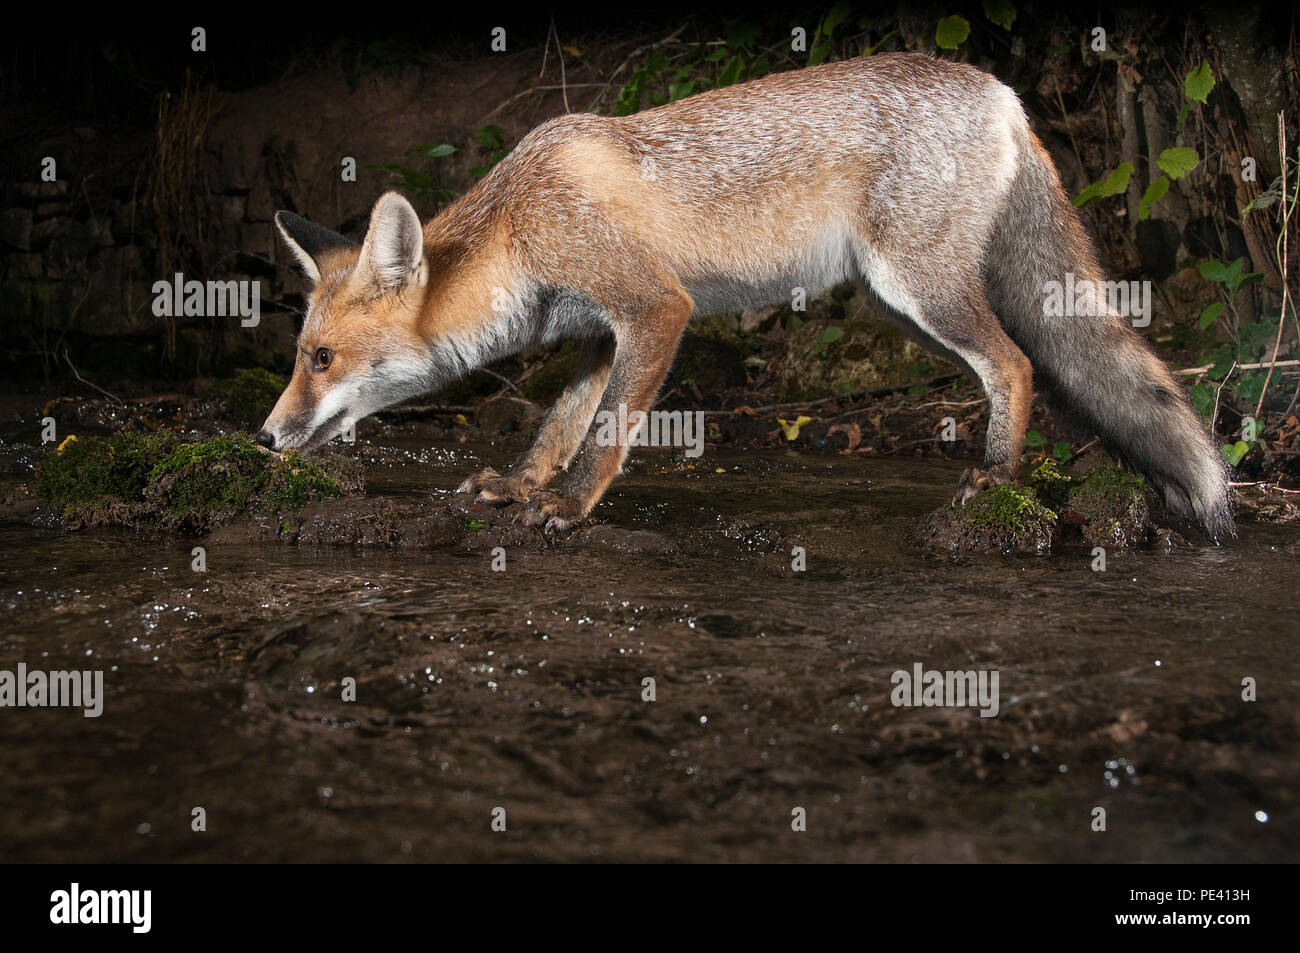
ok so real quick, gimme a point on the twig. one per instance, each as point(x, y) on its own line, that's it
point(1244, 367)
point(559, 55)
point(1286, 216)
point(68, 358)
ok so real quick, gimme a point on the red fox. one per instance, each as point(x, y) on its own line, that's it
point(919, 178)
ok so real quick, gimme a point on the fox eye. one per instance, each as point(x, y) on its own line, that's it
point(324, 357)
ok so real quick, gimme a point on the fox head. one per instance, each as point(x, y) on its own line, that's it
point(359, 350)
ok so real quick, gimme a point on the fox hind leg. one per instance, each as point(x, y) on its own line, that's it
point(954, 317)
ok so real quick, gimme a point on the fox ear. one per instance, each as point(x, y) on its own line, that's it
point(393, 252)
point(308, 241)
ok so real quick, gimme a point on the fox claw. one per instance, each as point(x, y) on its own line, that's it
point(551, 511)
point(973, 480)
point(494, 489)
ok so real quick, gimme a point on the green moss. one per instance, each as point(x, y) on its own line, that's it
point(251, 394)
point(89, 473)
point(1008, 507)
point(1051, 485)
point(1114, 504)
point(130, 478)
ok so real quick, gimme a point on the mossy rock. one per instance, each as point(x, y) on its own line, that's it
point(192, 486)
point(1002, 519)
point(250, 395)
point(1111, 506)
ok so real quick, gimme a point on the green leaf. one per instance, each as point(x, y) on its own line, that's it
point(1263, 201)
point(1178, 161)
point(439, 152)
point(1213, 271)
point(839, 13)
point(819, 52)
point(743, 34)
point(951, 32)
point(1034, 439)
point(1203, 399)
point(1154, 193)
point(1062, 452)
point(1198, 83)
point(681, 90)
point(1233, 452)
point(731, 72)
point(1001, 12)
point(477, 524)
point(1210, 314)
point(831, 335)
point(491, 137)
point(1113, 184)
point(793, 324)
point(1251, 386)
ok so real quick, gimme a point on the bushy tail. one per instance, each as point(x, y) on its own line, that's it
point(1097, 367)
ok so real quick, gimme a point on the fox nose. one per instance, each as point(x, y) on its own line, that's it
point(266, 439)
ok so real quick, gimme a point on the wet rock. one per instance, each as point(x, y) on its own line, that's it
point(1003, 519)
point(157, 478)
point(620, 540)
point(1110, 508)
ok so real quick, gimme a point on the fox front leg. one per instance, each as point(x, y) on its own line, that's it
point(646, 344)
point(560, 434)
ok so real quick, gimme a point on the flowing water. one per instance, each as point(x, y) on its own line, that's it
point(525, 689)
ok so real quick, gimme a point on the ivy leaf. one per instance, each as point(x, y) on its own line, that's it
point(1001, 12)
point(951, 32)
point(1034, 439)
point(1178, 161)
point(1062, 452)
point(1203, 399)
point(1233, 452)
point(1198, 83)
point(1251, 386)
point(1211, 314)
point(1154, 193)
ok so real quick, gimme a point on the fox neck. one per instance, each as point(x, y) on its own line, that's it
point(476, 309)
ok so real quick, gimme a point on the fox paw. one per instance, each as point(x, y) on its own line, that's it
point(552, 511)
point(973, 480)
point(494, 488)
